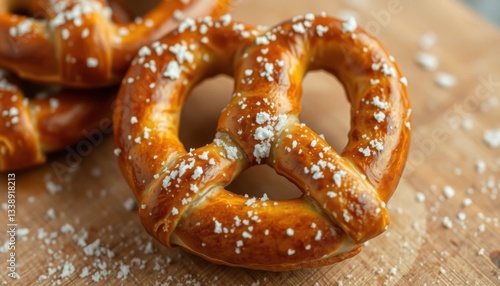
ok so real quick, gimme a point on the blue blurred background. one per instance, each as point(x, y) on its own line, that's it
point(490, 9)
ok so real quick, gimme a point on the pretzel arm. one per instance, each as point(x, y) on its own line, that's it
point(19, 144)
point(30, 128)
point(380, 109)
point(152, 25)
point(332, 183)
point(18, 51)
point(78, 114)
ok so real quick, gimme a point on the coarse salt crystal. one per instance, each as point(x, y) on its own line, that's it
point(427, 61)
point(445, 80)
point(173, 70)
point(428, 40)
point(420, 197)
point(337, 177)
point(466, 202)
point(461, 216)
point(65, 34)
point(404, 81)
point(299, 28)
point(480, 166)
point(349, 25)
point(379, 116)
point(129, 204)
point(492, 138)
point(449, 192)
point(321, 30)
point(92, 62)
point(447, 223)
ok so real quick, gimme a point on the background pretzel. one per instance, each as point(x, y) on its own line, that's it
point(78, 44)
point(31, 127)
point(182, 197)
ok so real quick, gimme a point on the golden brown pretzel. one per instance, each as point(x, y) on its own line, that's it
point(181, 194)
point(31, 127)
point(78, 44)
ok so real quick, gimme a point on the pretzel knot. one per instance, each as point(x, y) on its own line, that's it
point(182, 195)
point(85, 43)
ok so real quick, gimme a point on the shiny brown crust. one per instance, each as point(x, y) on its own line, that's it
point(182, 197)
point(80, 44)
point(32, 127)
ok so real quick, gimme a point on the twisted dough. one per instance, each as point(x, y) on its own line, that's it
point(29, 128)
point(182, 197)
point(78, 44)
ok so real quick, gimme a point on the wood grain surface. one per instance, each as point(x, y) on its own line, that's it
point(76, 225)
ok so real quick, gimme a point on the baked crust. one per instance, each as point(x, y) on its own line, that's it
point(182, 197)
point(85, 43)
point(32, 127)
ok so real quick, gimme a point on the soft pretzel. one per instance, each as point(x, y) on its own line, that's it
point(182, 197)
point(31, 127)
point(77, 44)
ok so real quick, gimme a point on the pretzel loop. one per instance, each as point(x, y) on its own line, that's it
point(183, 200)
point(82, 43)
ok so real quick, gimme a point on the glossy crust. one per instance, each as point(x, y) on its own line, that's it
point(182, 197)
point(80, 44)
point(32, 127)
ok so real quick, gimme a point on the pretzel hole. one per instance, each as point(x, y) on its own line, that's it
point(22, 11)
point(325, 108)
point(37, 90)
point(201, 111)
point(262, 179)
point(23, 8)
point(132, 8)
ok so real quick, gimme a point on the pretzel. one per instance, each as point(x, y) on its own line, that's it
point(79, 44)
point(182, 197)
point(31, 127)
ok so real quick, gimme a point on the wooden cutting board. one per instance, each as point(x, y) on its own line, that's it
point(434, 237)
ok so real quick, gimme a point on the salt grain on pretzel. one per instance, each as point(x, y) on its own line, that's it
point(79, 43)
point(32, 127)
point(181, 194)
